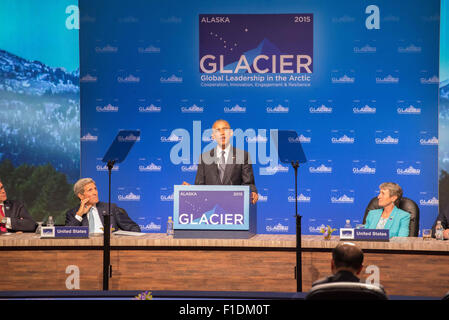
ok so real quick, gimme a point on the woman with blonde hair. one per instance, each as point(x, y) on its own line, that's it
point(389, 216)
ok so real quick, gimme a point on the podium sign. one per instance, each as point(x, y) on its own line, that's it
point(205, 211)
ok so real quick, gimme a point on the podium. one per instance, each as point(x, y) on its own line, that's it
point(213, 211)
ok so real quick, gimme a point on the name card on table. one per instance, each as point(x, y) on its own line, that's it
point(365, 234)
point(65, 232)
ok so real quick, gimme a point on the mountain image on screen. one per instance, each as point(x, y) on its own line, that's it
point(35, 78)
point(40, 112)
point(217, 209)
point(443, 147)
point(444, 126)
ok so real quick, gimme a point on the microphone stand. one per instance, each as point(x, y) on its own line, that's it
point(298, 268)
point(107, 268)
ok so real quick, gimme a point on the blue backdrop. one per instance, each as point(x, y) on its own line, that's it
point(358, 82)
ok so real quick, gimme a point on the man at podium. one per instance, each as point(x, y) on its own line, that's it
point(225, 164)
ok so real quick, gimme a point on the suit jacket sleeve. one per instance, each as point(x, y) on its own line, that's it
point(248, 174)
point(369, 222)
point(404, 225)
point(200, 176)
point(70, 219)
point(21, 220)
point(123, 220)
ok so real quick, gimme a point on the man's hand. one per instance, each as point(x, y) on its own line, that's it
point(84, 207)
point(185, 183)
point(446, 234)
point(254, 197)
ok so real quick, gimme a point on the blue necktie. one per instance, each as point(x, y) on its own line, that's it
point(222, 165)
point(91, 220)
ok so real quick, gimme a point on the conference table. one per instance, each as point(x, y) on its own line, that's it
point(265, 262)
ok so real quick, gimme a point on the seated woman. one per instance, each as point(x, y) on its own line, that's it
point(390, 217)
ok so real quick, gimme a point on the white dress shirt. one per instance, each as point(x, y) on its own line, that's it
point(219, 150)
point(95, 226)
point(8, 219)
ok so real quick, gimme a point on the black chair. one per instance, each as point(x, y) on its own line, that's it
point(346, 291)
point(446, 296)
point(406, 204)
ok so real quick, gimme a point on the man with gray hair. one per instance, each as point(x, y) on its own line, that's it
point(91, 210)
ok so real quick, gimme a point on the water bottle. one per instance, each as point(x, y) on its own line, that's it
point(170, 230)
point(348, 224)
point(439, 231)
point(39, 227)
point(50, 221)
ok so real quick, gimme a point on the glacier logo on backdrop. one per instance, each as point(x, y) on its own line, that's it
point(427, 139)
point(150, 165)
point(246, 43)
point(428, 199)
point(386, 137)
point(88, 137)
point(364, 107)
point(364, 167)
point(342, 137)
point(408, 168)
point(320, 166)
point(129, 197)
point(342, 196)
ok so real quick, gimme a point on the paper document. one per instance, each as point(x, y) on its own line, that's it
point(128, 233)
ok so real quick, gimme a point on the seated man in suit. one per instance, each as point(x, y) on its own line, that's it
point(91, 210)
point(443, 216)
point(225, 164)
point(346, 264)
point(390, 217)
point(13, 215)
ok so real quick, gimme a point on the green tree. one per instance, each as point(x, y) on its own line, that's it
point(6, 169)
point(44, 191)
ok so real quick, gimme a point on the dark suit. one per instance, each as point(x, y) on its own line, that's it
point(443, 216)
point(119, 218)
point(340, 276)
point(239, 170)
point(21, 220)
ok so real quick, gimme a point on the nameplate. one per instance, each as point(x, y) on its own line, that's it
point(365, 234)
point(65, 232)
point(372, 234)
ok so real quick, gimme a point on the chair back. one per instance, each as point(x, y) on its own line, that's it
point(406, 204)
point(346, 291)
point(446, 296)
